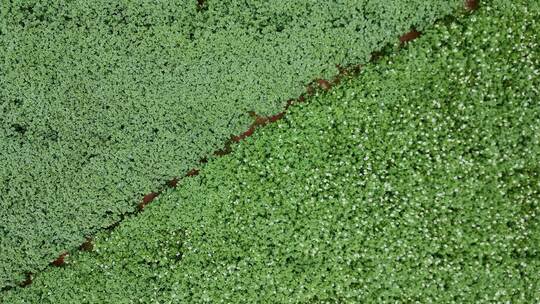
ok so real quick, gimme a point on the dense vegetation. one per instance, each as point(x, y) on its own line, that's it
point(417, 181)
point(102, 101)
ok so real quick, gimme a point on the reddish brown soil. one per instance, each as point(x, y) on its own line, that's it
point(173, 183)
point(88, 245)
point(192, 172)
point(472, 5)
point(61, 260)
point(324, 84)
point(410, 36)
point(147, 199)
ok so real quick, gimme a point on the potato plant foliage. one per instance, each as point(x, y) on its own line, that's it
point(101, 102)
point(416, 181)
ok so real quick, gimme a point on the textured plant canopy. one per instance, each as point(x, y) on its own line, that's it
point(102, 102)
point(417, 181)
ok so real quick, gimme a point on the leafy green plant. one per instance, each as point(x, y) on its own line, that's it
point(416, 181)
point(103, 102)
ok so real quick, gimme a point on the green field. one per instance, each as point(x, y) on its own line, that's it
point(103, 102)
point(418, 180)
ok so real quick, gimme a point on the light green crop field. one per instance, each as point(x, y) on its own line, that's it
point(417, 181)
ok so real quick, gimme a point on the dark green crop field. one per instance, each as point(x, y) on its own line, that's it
point(416, 182)
point(101, 102)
